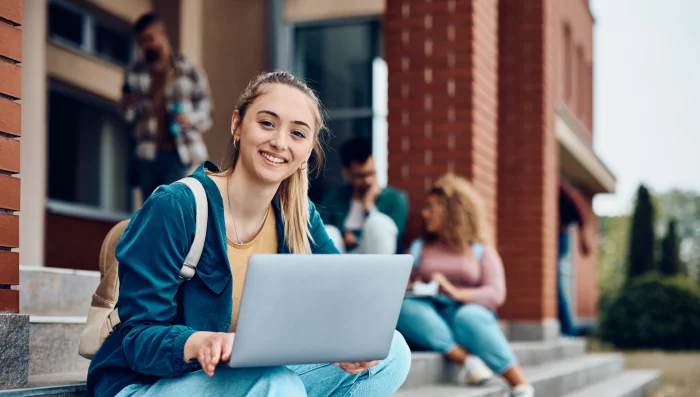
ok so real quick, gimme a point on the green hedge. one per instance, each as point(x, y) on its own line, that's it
point(654, 313)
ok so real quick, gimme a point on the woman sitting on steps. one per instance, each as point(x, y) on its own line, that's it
point(172, 337)
point(460, 321)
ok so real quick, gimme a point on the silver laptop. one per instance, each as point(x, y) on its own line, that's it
point(307, 309)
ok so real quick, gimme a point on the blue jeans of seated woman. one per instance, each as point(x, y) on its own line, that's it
point(319, 380)
point(442, 324)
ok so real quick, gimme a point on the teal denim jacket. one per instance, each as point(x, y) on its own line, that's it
point(157, 315)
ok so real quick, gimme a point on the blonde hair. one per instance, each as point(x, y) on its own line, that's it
point(292, 194)
point(465, 222)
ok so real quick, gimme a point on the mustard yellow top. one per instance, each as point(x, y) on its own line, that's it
point(238, 254)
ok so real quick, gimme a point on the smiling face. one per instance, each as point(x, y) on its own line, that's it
point(276, 134)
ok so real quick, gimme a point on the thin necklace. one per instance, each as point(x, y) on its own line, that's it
point(233, 220)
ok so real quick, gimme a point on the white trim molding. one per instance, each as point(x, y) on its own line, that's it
point(577, 160)
point(85, 211)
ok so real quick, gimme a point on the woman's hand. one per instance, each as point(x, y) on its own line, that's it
point(445, 285)
point(459, 294)
point(209, 348)
point(358, 367)
point(350, 240)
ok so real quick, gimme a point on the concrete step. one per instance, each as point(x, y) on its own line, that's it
point(550, 380)
point(538, 353)
point(631, 383)
point(46, 291)
point(453, 391)
point(54, 385)
point(53, 345)
point(558, 378)
point(554, 379)
point(430, 368)
point(53, 349)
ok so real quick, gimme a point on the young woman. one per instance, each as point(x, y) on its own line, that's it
point(172, 338)
point(454, 252)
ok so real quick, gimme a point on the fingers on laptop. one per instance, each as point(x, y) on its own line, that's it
point(356, 368)
point(227, 348)
point(214, 349)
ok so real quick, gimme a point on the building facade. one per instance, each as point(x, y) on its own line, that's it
point(497, 91)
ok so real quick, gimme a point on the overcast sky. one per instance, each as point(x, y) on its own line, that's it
point(647, 96)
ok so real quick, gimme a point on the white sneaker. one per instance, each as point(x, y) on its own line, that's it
point(475, 372)
point(523, 391)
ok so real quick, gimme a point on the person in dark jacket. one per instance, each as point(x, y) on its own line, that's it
point(362, 217)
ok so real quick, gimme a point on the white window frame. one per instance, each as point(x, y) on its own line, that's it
point(282, 43)
point(87, 45)
point(78, 209)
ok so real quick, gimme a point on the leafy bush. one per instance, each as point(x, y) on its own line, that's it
point(654, 312)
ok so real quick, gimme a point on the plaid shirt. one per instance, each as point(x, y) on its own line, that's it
point(190, 88)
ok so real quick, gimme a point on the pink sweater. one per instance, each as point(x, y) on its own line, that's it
point(485, 279)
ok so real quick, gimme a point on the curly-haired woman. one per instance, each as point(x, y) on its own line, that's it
point(460, 322)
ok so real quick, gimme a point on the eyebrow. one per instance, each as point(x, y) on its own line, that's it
point(273, 114)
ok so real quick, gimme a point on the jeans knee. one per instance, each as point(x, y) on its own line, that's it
point(412, 311)
point(399, 360)
point(379, 223)
point(281, 381)
point(473, 315)
point(379, 235)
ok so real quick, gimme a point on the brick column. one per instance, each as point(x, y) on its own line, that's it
point(527, 169)
point(442, 57)
point(14, 328)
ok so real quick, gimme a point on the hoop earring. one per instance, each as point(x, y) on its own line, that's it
point(235, 143)
point(303, 166)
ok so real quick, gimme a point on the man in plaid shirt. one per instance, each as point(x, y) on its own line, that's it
point(167, 107)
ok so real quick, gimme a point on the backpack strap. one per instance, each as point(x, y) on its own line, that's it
point(416, 249)
point(192, 259)
point(202, 213)
point(478, 249)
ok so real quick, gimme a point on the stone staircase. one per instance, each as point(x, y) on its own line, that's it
point(558, 368)
point(55, 368)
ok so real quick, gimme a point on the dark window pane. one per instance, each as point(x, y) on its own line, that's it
point(113, 44)
point(65, 24)
point(88, 153)
point(64, 113)
point(336, 60)
point(341, 130)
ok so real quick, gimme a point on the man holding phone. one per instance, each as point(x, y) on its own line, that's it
point(167, 106)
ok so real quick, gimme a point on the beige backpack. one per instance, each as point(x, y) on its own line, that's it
point(103, 317)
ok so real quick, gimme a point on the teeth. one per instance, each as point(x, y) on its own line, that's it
point(273, 159)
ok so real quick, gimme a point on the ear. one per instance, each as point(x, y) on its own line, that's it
point(236, 120)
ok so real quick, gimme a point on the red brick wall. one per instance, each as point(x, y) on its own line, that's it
point(576, 15)
point(485, 105)
point(442, 58)
point(10, 130)
point(527, 160)
point(532, 81)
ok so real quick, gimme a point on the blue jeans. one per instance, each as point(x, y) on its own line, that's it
point(443, 324)
point(318, 380)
